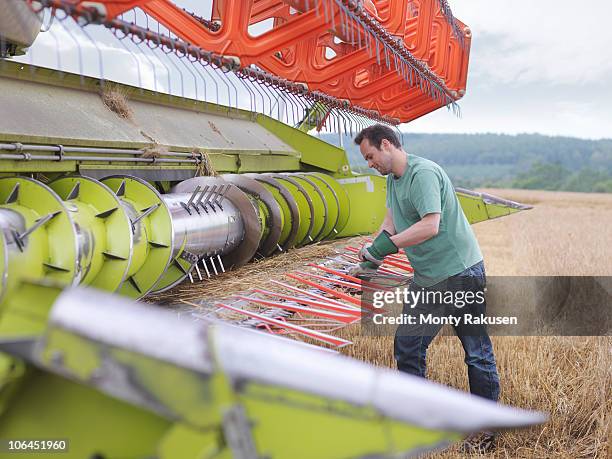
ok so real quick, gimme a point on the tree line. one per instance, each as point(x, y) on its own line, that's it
point(529, 161)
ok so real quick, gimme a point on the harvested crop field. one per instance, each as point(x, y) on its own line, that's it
point(568, 377)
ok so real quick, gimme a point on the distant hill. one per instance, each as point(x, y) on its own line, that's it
point(517, 161)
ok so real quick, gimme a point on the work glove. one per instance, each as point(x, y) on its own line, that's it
point(373, 254)
point(364, 248)
point(364, 268)
point(378, 249)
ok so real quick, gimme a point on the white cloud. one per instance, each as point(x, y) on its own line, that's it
point(535, 66)
point(521, 42)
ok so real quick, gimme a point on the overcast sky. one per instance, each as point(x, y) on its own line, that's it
point(540, 66)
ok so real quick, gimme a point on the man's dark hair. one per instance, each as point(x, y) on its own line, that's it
point(375, 135)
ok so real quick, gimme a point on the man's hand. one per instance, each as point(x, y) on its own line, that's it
point(376, 252)
point(373, 255)
point(364, 268)
point(364, 248)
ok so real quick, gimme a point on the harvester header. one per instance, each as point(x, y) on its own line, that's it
point(145, 148)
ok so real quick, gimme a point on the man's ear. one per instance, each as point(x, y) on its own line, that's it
point(385, 143)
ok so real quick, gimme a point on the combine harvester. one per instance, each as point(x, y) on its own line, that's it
point(109, 179)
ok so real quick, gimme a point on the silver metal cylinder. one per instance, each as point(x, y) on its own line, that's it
point(12, 223)
point(211, 229)
point(85, 240)
point(138, 230)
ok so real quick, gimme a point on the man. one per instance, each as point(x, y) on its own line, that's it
point(425, 219)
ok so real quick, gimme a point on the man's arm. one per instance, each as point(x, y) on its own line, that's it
point(424, 229)
point(425, 196)
point(386, 225)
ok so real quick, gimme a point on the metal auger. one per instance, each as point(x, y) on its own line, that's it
point(120, 234)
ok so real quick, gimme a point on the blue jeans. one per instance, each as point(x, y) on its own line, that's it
point(411, 342)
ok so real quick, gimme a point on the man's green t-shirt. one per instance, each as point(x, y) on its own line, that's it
point(425, 188)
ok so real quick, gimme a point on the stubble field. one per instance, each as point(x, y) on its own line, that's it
point(568, 377)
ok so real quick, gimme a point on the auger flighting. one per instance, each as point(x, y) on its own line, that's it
point(122, 235)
